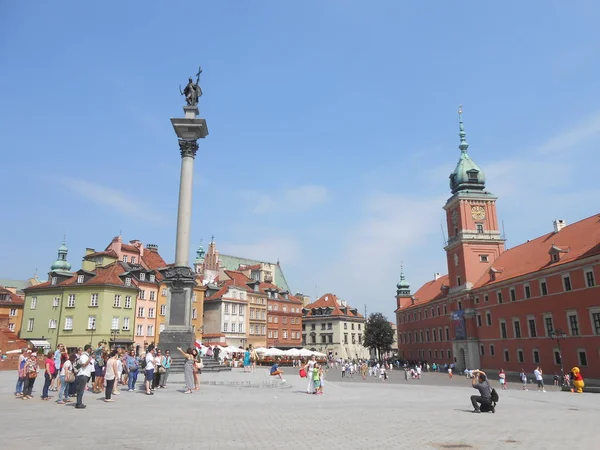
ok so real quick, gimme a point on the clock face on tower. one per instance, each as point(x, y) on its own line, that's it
point(478, 213)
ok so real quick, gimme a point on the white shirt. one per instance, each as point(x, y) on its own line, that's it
point(87, 370)
point(68, 366)
point(149, 361)
point(538, 375)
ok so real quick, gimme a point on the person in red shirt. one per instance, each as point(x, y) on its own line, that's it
point(48, 374)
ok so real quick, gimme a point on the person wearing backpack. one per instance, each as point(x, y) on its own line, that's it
point(485, 393)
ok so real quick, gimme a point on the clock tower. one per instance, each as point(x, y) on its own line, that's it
point(474, 238)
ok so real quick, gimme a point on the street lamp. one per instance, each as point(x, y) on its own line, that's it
point(114, 332)
point(557, 335)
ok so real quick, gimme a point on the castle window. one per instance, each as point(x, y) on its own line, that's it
point(472, 174)
point(483, 258)
point(480, 228)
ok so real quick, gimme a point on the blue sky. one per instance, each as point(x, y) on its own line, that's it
point(333, 128)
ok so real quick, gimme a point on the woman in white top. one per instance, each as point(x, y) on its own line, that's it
point(67, 368)
point(110, 376)
point(309, 367)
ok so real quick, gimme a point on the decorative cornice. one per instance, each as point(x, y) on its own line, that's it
point(188, 148)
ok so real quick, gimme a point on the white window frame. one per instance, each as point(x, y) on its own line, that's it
point(150, 313)
point(225, 327)
point(11, 327)
point(142, 276)
point(139, 330)
point(500, 322)
point(544, 282)
point(140, 312)
point(152, 278)
point(56, 302)
point(127, 304)
point(528, 318)
point(571, 313)
point(194, 313)
point(128, 281)
point(117, 301)
point(592, 311)
point(585, 276)
point(69, 320)
point(30, 324)
point(12, 312)
point(564, 278)
point(126, 323)
point(152, 298)
point(91, 323)
point(52, 324)
point(80, 279)
point(150, 330)
point(33, 303)
point(94, 300)
point(71, 301)
point(124, 258)
point(544, 317)
point(163, 310)
point(54, 280)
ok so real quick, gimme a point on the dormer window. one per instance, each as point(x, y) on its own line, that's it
point(152, 278)
point(54, 280)
point(472, 174)
point(128, 281)
point(555, 253)
point(492, 275)
point(79, 279)
point(133, 260)
point(142, 277)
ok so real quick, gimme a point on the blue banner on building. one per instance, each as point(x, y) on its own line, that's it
point(460, 328)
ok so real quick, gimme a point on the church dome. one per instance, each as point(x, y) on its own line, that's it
point(403, 286)
point(61, 263)
point(467, 175)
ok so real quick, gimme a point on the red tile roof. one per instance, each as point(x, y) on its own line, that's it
point(153, 260)
point(110, 252)
point(11, 299)
point(102, 275)
point(430, 291)
point(331, 301)
point(129, 248)
point(579, 240)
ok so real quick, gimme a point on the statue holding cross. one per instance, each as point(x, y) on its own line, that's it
point(192, 90)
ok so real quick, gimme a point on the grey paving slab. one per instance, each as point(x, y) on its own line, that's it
point(355, 414)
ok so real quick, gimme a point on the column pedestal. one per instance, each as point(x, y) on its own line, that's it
point(178, 330)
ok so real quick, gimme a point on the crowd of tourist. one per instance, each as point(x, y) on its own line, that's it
point(100, 370)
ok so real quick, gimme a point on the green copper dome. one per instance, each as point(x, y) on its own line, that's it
point(61, 263)
point(467, 175)
point(200, 254)
point(403, 287)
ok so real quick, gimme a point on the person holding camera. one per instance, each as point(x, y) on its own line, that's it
point(485, 392)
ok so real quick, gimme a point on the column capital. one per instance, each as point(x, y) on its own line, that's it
point(188, 148)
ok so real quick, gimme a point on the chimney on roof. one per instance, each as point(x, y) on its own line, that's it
point(559, 224)
point(436, 276)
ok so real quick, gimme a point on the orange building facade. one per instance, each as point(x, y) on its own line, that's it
point(534, 304)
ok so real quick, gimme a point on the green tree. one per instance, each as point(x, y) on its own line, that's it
point(379, 334)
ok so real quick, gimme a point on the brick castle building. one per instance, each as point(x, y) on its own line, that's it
point(534, 304)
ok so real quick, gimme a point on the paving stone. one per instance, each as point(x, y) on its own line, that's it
point(431, 414)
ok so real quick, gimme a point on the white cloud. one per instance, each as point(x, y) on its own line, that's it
point(574, 137)
point(299, 198)
point(307, 196)
point(114, 199)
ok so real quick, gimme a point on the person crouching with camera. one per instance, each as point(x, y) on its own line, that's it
point(485, 392)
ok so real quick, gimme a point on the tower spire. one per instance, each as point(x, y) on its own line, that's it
point(403, 287)
point(463, 136)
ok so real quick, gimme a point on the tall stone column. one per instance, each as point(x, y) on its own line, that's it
point(180, 278)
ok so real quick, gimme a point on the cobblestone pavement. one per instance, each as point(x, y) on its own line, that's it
point(353, 415)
